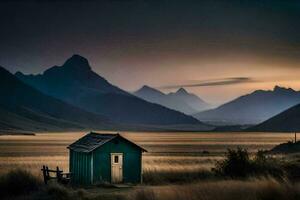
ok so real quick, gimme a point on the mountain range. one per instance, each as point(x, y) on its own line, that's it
point(181, 100)
point(252, 108)
point(74, 97)
point(78, 85)
point(24, 108)
point(287, 121)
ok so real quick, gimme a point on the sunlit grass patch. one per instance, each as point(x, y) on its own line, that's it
point(255, 189)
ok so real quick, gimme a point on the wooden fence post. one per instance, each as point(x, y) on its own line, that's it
point(44, 174)
point(58, 174)
point(47, 172)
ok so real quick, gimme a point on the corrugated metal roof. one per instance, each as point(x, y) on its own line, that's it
point(93, 140)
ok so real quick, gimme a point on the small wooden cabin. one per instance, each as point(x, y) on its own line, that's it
point(97, 158)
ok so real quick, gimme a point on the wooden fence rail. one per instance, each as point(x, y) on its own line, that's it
point(57, 174)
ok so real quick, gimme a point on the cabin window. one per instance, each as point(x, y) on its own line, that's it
point(116, 159)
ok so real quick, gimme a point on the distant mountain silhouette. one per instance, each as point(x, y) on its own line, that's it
point(287, 121)
point(253, 108)
point(181, 100)
point(25, 108)
point(75, 82)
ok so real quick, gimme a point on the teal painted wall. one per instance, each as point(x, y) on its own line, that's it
point(80, 163)
point(131, 161)
point(80, 166)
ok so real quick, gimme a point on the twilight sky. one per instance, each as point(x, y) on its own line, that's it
point(216, 49)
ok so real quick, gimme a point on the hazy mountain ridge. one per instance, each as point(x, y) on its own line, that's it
point(180, 100)
point(252, 108)
point(25, 108)
point(286, 121)
point(75, 82)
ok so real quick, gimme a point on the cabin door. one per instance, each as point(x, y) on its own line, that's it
point(116, 167)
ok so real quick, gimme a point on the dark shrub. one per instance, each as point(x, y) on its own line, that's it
point(18, 182)
point(238, 164)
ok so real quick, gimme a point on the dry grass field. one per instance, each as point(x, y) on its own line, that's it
point(166, 151)
point(255, 189)
point(170, 155)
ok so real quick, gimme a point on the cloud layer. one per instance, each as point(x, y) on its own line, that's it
point(214, 82)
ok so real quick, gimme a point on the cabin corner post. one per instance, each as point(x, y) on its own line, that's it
point(92, 167)
point(142, 171)
point(71, 164)
point(70, 160)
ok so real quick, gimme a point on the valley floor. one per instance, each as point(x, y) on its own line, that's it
point(180, 155)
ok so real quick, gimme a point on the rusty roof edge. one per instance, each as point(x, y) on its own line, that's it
point(88, 151)
point(144, 150)
point(114, 136)
point(103, 142)
point(88, 135)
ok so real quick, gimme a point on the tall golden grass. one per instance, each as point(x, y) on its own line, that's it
point(155, 168)
point(171, 154)
point(255, 189)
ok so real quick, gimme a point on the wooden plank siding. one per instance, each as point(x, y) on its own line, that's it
point(80, 167)
point(131, 161)
point(95, 167)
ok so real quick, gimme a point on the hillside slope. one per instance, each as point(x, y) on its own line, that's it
point(75, 82)
point(24, 108)
point(181, 100)
point(253, 108)
point(287, 121)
